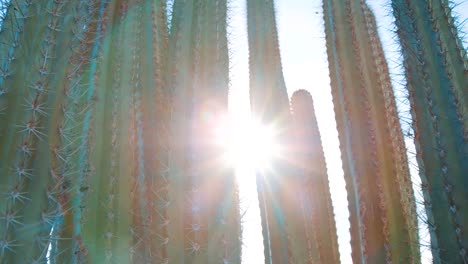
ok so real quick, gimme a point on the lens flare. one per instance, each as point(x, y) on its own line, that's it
point(247, 144)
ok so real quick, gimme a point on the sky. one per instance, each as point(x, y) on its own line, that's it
point(304, 61)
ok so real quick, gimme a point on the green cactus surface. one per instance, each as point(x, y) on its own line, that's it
point(100, 161)
point(436, 67)
point(109, 152)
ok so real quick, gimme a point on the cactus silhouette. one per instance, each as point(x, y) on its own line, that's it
point(317, 239)
point(436, 64)
point(270, 106)
point(380, 196)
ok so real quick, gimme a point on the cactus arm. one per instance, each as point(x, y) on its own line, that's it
point(138, 192)
point(124, 247)
point(397, 225)
point(318, 237)
point(84, 167)
point(343, 124)
point(63, 144)
point(381, 213)
point(180, 47)
point(125, 112)
point(10, 36)
point(253, 68)
point(114, 202)
point(373, 214)
point(156, 103)
point(440, 136)
point(397, 149)
point(52, 33)
point(159, 183)
point(227, 238)
point(270, 106)
point(455, 55)
point(210, 237)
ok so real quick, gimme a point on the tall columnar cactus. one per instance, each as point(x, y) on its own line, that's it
point(89, 173)
point(317, 238)
point(211, 224)
point(436, 67)
point(270, 106)
point(380, 197)
point(118, 219)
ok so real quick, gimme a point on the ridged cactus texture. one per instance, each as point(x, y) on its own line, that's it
point(100, 161)
point(40, 38)
point(107, 135)
point(380, 196)
point(436, 67)
point(317, 238)
point(270, 106)
point(204, 191)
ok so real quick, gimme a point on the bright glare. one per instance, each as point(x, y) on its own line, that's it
point(247, 144)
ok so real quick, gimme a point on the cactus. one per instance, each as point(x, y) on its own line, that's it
point(436, 64)
point(317, 238)
point(35, 198)
point(119, 199)
point(211, 222)
point(107, 117)
point(87, 161)
point(270, 106)
point(380, 197)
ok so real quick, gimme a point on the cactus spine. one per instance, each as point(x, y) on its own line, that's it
point(88, 168)
point(36, 197)
point(381, 203)
point(318, 236)
point(435, 65)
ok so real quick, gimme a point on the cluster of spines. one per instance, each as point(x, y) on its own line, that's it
point(62, 139)
point(12, 22)
point(76, 145)
point(432, 63)
point(31, 136)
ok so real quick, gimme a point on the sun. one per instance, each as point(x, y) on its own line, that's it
point(247, 144)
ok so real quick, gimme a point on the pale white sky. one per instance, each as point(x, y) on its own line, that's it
point(303, 53)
